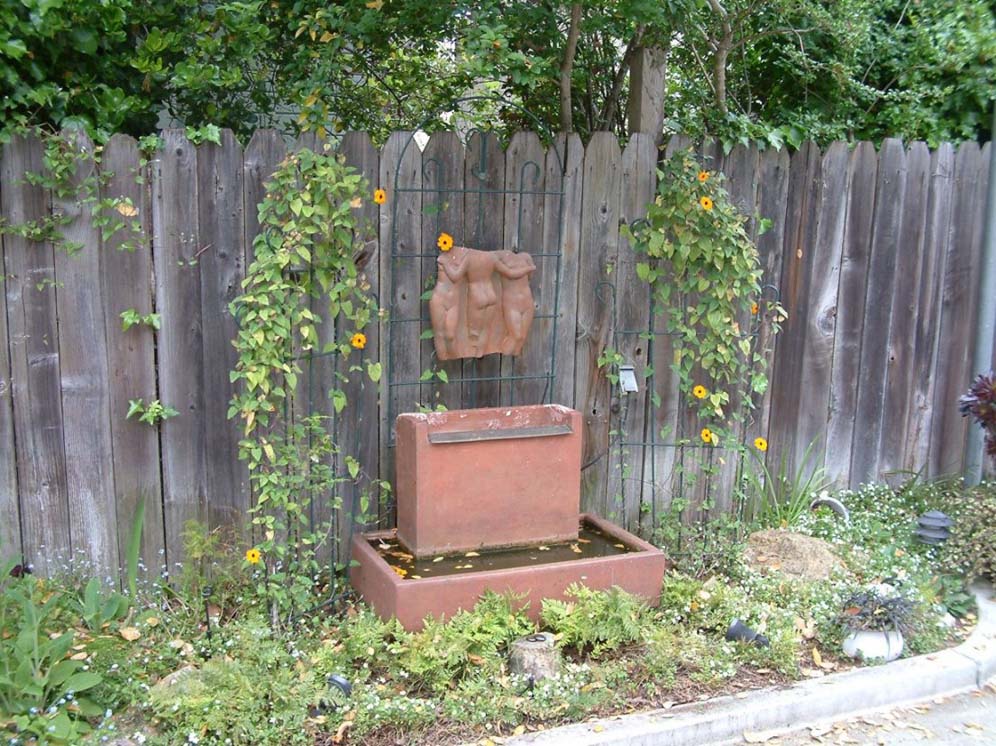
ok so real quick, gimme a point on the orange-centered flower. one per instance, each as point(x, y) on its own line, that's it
point(706, 203)
point(444, 242)
point(358, 340)
point(253, 556)
point(699, 392)
point(754, 308)
point(703, 176)
point(380, 196)
point(761, 444)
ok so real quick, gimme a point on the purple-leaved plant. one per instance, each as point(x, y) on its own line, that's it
point(980, 403)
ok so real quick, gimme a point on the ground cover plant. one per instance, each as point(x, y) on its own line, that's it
point(195, 657)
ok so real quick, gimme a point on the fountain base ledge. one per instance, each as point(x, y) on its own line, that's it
point(640, 572)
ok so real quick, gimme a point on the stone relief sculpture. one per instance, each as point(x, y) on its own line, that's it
point(482, 303)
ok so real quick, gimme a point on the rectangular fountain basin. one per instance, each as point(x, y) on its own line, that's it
point(469, 479)
point(542, 571)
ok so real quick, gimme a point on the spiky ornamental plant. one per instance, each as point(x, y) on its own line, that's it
point(980, 403)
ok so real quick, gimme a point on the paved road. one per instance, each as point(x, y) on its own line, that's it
point(965, 720)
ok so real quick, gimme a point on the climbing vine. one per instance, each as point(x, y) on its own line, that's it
point(304, 274)
point(705, 276)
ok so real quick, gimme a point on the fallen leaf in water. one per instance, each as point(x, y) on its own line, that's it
point(576, 549)
point(129, 633)
point(472, 554)
point(416, 577)
point(619, 546)
point(543, 549)
point(438, 559)
point(400, 571)
point(584, 541)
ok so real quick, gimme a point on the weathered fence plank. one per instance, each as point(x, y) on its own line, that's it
point(926, 340)
point(442, 212)
point(821, 307)
point(850, 312)
point(661, 468)
point(10, 507)
point(958, 303)
point(879, 288)
point(632, 314)
point(126, 280)
point(799, 253)
point(401, 247)
point(179, 346)
point(29, 268)
point(525, 180)
point(772, 198)
point(83, 369)
point(359, 428)
point(265, 151)
point(484, 224)
point(898, 393)
point(222, 266)
point(600, 213)
point(742, 184)
point(569, 218)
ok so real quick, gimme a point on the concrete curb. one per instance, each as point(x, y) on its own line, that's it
point(965, 667)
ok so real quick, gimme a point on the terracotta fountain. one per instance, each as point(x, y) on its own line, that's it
point(489, 499)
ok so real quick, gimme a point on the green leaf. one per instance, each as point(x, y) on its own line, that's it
point(374, 370)
point(82, 681)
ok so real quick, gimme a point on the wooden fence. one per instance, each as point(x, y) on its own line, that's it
point(875, 255)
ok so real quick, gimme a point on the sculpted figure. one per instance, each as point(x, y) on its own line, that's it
point(516, 299)
point(444, 311)
point(481, 303)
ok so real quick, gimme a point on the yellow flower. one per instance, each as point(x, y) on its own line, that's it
point(708, 436)
point(358, 340)
point(754, 308)
point(380, 196)
point(699, 392)
point(703, 176)
point(706, 203)
point(253, 556)
point(445, 242)
point(761, 444)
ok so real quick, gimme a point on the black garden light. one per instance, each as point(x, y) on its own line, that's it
point(206, 595)
point(740, 632)
point(934, 527)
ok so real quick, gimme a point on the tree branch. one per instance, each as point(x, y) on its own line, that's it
point(567, 66)
point(612, 99)
point(723, 46)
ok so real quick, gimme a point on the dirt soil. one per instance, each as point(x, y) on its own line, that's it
point(790, 553)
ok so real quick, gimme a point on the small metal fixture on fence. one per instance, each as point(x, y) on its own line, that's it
point(740, 632)
point(627, 379)
point(934, 527)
